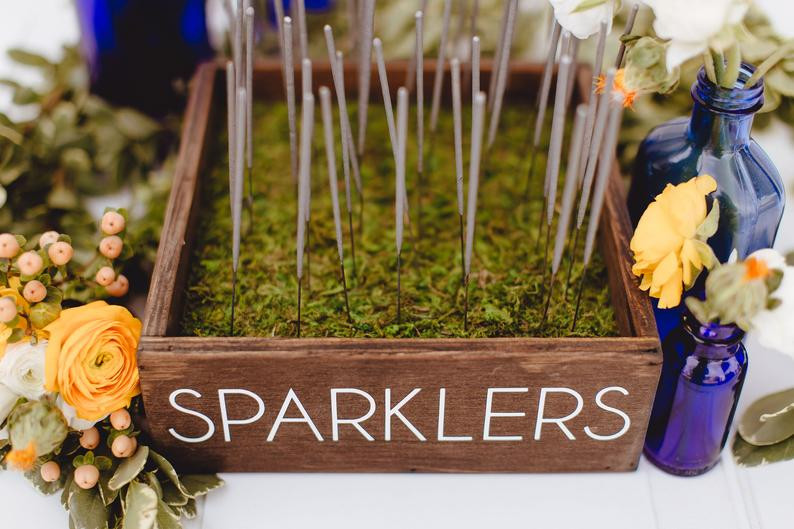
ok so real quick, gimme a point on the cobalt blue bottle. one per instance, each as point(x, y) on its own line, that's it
point(702, 376)
point(715, 140)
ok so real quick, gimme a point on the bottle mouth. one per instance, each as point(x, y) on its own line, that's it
point(736, 100)
point(713, 333)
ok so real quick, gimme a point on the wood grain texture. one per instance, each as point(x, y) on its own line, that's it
point(465, 368)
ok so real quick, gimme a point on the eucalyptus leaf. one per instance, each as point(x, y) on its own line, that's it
point(129, 468)
point(141, 506)
point(200, 484)
point(168, 469)
point(769, 420)
point(747, 455)
point(87, 509)
point(108, 495)
point(154, 483)
point(167, 518)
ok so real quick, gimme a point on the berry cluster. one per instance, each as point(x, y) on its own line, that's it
point(112, 248)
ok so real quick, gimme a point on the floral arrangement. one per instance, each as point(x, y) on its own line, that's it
point(69, 387)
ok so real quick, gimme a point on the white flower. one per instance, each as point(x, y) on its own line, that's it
point(74, 422)
point(584, 22)
point(22, 369)
point(7, 400)
point(775, 328)
point(691, 26)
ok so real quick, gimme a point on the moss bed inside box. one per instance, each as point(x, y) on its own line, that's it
point(506, 294)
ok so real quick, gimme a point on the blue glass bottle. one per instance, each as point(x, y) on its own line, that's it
point(702, 376)
point(715, 140)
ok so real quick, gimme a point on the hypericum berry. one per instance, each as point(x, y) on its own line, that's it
point(89, 438)
point(8, 309)
point(34, 291)
point(60, 253)
point(120, 419)
point(86, 476)
point(113, 222)
point(30, 263)
point(111, 246)
point(123, 446)
point(50, 472)
point(105, 276)
point(48, 237)
point(9, 246)
point(119, 287)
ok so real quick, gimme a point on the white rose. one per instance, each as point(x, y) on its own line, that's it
point(582, 23)
point(774, 327)
point(22, 369)
point(692, 26)
point(7, 400)
point(74, 422)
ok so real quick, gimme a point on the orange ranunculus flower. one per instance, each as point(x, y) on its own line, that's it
point(91, 358)
point(669, 243)
point(5, 330)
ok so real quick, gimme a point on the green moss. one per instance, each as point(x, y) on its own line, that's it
point(506, 298)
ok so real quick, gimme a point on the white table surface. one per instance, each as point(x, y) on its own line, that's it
point(728, 497)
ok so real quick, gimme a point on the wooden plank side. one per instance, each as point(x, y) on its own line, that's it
point(240, 371)
point(172, 253)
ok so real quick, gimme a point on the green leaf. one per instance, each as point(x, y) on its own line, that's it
point(135, 125)
point(584, 5)
point(167, 518)
point(103, 462)
point(66, 495)
point(710, 224)
point(108, 495)
point(200, 484)
point(190, 510)
point(747, 455)
point(16, 335)
point(168, 469)
point(27, 58)
point(44, 313)
point(21, 240)
point(154, 483)
point(141, 506)
point(87, 509)
point(769, 420)
point(173, 496)
point(129, 469)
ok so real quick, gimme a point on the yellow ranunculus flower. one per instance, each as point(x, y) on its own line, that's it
point(669, 253)
point(5, 331)
point(91, 358)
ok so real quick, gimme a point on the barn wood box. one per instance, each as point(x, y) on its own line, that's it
point(185, 379)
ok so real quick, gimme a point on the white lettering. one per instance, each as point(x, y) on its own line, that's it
point(336, 421)
point(486, 429)
point(292, 397)
point(600, 404)
point(559, 421)
point(396, 412)
point(227, 436)
point(442, 405)
point(210, 425)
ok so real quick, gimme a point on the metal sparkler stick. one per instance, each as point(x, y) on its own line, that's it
point(364, 68)
point(626, 31)
point(498, 54)
point(457, 119)
point(402, 128)
point(501, 75)
point(568, 196)
point(249, 71)
point(289, 73)
point(328, 129)
point(438, 79)
point(416, 59)
point(237, 197)
point(307, 123)
point(606, 158)
point(303, 39)
point(478, 112)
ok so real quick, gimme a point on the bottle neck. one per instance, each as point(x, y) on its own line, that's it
point(712, 340)
point(722, 117)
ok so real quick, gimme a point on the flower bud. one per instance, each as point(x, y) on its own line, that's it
point(111, 246)
point(30, 263)
point(37, 422)
point(34, 291)
point(124, 446)
point(8, 309)
point(89, 438)
point(105, 276)
point(113, 222)
point(120, 419)
point(86, 476)
point(48, 237)
point(60, 253)
point(119, 287)
point(9, 246)
point(50, 472)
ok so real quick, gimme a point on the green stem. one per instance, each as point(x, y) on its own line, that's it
point(769, 63)
point(719, 66)
point(708, 64)
point(732, 67)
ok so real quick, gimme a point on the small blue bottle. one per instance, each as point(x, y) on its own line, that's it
point(702, 376)
point(715, 140)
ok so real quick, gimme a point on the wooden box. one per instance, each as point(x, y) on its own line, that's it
point(390, 405)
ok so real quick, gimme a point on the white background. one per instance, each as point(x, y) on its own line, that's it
point(727, 497)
